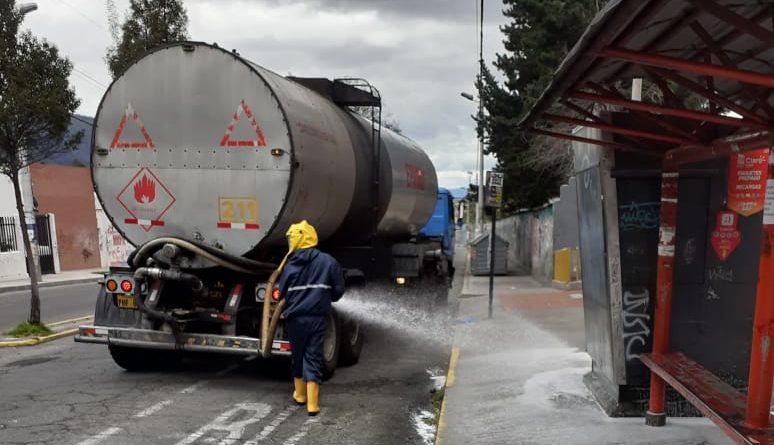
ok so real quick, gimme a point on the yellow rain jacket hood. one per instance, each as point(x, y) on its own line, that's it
point(301, 236)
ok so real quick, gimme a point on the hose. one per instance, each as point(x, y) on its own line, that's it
point(162, 274)
point(235, 263)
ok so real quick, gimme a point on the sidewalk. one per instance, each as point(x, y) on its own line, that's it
point(68, 277)
point(518, 378)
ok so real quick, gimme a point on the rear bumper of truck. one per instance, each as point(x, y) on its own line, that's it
point(145, 338)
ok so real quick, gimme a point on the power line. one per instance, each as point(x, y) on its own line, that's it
point(99, 25)
point(89, 77)
point(91, 124)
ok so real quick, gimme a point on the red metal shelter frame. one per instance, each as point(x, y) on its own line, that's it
point(722, 52)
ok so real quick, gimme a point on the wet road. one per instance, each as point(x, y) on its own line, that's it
point(68, 393)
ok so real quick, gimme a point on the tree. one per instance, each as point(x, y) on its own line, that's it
point(151, 23)
point(36, 103)
point(538, 37)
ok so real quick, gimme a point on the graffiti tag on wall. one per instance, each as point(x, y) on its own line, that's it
point(636, 320)
point(638, 216)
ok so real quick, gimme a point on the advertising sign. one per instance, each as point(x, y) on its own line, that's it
point(747, 181)
point(725, 238)
point(494, 189)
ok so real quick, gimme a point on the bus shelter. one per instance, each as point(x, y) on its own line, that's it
point(708, 71)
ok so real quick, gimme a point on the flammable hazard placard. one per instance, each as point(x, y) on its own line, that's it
point(747, 181)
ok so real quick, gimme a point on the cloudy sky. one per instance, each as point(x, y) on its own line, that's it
point(420, 54)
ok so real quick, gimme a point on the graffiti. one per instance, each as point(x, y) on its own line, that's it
point(689, 251)
point(720, 273)
point(638, 216)
point(636, 320)
point(711, 294)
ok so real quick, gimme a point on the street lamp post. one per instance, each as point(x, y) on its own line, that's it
point(480, 155)
point(25, 8)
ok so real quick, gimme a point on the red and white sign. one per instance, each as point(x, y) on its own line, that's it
point(415, 177)
point(747, 181)
point(132, 115)
point(259, 140)
point(725, 238)
point(237, 225)
point(146, 199)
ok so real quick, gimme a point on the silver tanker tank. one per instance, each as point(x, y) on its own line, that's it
point(196, 142)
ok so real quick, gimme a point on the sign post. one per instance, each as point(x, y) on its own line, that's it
point(494, 196)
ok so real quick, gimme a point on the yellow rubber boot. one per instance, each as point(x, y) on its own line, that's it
point(313, 395)
point(299, 391)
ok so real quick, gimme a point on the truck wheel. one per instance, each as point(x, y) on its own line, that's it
point(140, 360)
point(331, 345)
point(351, 341)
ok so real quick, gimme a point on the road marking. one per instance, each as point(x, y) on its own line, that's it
point(153, 409)
point(268, 429)
point(72, 320)
point(101, 436)
point(194, 387)
point(248, 412)
point(225, 371)
point(303, 431)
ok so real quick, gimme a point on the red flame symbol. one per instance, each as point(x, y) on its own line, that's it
point(144, 190)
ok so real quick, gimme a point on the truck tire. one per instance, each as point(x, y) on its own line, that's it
point(331, 345)
point(351, 341)
point(143, 360)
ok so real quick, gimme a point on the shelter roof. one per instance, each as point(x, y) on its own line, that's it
point(719, 51)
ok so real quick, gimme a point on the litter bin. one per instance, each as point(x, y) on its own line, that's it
point(479, 255)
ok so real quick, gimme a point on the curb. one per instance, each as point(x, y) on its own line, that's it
point(455, 354)
point(44, 284)
point(38, 340)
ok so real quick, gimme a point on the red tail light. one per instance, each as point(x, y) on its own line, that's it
point(275, 295)
point(126, 286)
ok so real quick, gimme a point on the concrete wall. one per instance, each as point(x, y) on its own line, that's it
point(535, 235)
point(67, 192)
point(12, 265)
point(114, 248)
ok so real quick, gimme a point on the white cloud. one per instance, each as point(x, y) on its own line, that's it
point(419, 54)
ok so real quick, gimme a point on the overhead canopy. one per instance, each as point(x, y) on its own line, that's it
point(721, 51)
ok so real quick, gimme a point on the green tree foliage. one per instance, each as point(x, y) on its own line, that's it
point(150, 23)
point(36, 104)
point(537, 38)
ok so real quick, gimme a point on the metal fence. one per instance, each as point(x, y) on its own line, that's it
point(8, 242)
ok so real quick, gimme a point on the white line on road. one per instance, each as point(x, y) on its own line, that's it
point(302, 432)
point(194, 387)
point(247, 412)
point(153, 409)
point(225, 371)
point(273, 425)
point(93, 440)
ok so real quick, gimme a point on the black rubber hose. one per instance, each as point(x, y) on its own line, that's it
point(237, 263)
point(143, 272)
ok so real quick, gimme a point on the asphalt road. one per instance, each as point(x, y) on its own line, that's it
point(69, 393)
point(56, 303)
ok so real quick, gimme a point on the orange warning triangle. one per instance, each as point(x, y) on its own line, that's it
point(259, 140)
point(131, 114)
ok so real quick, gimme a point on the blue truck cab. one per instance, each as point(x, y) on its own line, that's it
point(441, 223)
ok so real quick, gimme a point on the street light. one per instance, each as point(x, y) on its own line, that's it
point(25, 8)
point(480, 155)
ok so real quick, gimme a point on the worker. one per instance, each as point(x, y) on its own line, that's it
point(309, 282)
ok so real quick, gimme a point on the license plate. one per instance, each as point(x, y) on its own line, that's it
point(125, 302)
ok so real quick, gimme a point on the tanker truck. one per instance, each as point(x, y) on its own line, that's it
point(203, 159)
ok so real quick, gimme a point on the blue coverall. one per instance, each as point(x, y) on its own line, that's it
point(309, 282)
